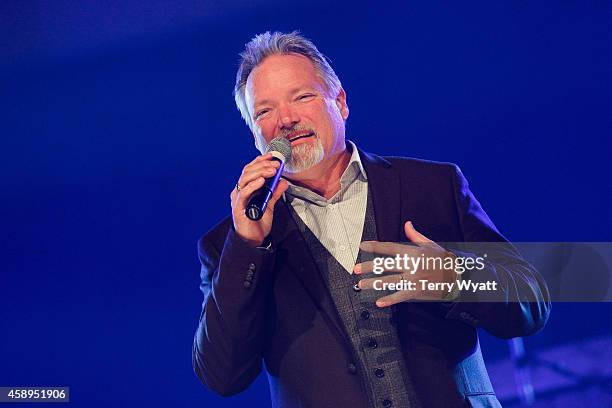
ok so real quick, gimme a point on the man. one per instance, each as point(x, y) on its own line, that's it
point(287, 290)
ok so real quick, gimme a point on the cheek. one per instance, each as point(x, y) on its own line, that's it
point(265, 130)
point(320, 116)
point(330, 117)
point(332, 112)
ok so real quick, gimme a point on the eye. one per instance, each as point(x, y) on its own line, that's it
point(260, 113)
point(304, 96)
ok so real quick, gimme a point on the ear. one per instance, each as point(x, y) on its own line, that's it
point(341, 104)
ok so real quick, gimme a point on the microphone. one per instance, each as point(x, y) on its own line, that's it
point(281, 152)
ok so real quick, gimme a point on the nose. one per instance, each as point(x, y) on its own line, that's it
point(288, 117)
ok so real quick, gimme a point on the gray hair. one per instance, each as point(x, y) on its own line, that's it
point(277, 43)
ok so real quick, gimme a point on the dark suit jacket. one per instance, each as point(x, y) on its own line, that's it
point(273, 306)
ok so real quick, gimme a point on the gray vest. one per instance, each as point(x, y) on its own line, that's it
point(372, 331)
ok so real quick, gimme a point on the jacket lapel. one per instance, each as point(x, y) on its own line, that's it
point(285, 234)
point(384, 183)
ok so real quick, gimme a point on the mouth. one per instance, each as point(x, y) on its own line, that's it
point(301, 135)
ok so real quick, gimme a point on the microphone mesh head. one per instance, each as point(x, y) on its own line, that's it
point(281, 145)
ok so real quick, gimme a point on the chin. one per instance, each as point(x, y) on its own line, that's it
point(305, 156)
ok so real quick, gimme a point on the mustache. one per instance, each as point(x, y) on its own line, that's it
point(298, 128)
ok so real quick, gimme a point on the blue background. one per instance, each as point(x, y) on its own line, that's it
point(121, 143)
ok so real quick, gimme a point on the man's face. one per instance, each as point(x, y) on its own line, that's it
point(287, 98)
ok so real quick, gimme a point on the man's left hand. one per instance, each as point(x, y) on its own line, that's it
point(425, 249)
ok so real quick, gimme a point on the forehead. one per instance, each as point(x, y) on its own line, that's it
point(281, 73)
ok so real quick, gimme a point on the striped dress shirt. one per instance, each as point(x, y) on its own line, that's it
point(338, 222)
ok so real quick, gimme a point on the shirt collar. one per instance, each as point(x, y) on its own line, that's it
point(353, 170)
point(356, 159)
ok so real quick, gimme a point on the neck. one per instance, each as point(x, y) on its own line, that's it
point(324, 178)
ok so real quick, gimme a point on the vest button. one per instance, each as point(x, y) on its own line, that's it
point(387, 403)
point(365, 315)
point(379, 372)
point(372, 343)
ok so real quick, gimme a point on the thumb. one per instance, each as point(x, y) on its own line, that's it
point(281, 187)
point(413, 235)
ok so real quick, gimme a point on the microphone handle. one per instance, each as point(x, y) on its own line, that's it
point(259, 200)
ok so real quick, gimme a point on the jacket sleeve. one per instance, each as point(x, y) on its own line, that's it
point(521, 305)
point(227, 347)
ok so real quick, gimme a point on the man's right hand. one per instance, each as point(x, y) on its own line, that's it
point(252, 178)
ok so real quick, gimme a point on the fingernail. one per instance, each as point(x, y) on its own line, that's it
point(380, 304)
point(357, 269)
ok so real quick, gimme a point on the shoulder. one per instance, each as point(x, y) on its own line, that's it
point(413, 167)
point(421, 165)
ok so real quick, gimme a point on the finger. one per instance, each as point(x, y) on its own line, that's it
point(260, 165)
point(369, 267)
point(265, 159)
point(389, 248)
point(415, 236)
point(245, 193)
point(263, 169)
point(395, 298)
point(260, 162)
point(271, 164)
point(406, 296)
point(265, 156)
point(369, 283)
